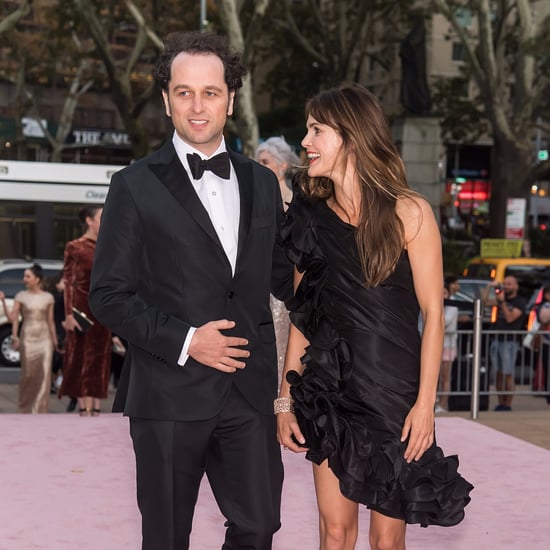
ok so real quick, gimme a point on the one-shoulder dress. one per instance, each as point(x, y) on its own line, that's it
point(361, 375)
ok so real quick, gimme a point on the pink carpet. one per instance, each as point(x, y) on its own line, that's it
point(67, 483)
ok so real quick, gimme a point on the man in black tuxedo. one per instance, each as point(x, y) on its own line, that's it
point(185, 261)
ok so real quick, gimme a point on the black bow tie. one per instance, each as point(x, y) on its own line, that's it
point(218, 164)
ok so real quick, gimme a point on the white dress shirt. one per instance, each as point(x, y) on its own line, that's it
point(221, 200)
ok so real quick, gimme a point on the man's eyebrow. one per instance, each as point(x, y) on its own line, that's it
point(187, 87)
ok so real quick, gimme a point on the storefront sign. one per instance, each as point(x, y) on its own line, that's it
point(515, 218)
point(500, 248)
point(105, 138)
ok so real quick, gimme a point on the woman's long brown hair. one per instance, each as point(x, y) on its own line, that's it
point(358, 117)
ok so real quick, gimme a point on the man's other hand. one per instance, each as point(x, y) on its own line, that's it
point(211, 348)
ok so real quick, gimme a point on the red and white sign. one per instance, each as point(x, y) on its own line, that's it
point(515, 218)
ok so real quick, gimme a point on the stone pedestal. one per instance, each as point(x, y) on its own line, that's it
point(419, 142)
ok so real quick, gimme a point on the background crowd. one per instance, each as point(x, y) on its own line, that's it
point(63, 350)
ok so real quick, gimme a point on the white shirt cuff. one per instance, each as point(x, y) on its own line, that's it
point(184, 355)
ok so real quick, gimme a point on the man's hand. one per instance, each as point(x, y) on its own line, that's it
point(211, 348)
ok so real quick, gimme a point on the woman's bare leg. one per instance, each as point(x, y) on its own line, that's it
point(386, 533)
point(338, 516)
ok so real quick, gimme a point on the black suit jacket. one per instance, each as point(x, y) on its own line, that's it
point(159, 268)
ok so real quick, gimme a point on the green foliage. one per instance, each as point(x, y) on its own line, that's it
point(308, 46)
point(456, 254)
point(286, 121)
point(462, 118)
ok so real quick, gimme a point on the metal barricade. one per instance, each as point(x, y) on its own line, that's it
point(472, 374)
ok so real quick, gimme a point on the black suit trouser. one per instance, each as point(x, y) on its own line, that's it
point(238, 451)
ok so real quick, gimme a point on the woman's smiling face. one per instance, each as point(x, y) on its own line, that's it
point(323, 146)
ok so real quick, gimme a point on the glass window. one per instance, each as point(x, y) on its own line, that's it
point(481, 271)
point(464, 16)
point(459, 52)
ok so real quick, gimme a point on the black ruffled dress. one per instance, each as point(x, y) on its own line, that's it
point(362, 374)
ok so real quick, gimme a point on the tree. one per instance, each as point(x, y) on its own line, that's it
point(130, 95)
point(48, 61)
point(502, 61)
point(8, 36)
point(242, 33)
point(340, 36)
point(79, 86)
point(310, 45)
point(10, 21)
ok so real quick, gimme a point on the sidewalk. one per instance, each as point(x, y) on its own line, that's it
point(529, 420)
point(9, 396)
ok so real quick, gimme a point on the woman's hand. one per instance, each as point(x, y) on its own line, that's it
point(15, 342)
point(287, 426)
point(118, 346)
point(419, 428)
point(71, 323)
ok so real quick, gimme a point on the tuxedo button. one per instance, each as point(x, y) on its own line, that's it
point(230, 294)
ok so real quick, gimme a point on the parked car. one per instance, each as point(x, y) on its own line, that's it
point(469, 291)
point(11, 282)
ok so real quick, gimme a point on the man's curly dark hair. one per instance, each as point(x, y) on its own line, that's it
point(196, 42)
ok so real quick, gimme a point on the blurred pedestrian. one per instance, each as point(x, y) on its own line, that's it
point(277, 155)
point(87, 361)
point(7, 311)
point(505, 345)
point(280, 158)
point(543, 317)
point(450, 350)
point(36, 343)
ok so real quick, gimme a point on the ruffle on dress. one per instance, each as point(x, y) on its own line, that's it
point(368, 463)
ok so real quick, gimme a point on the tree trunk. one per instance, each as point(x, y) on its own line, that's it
point(246, 120)
point(10, 21)
point(137, 134)
point(510, 167)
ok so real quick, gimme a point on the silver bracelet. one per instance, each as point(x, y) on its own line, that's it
point(283, 405)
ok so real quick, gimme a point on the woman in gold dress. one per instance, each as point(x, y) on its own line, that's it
point(277, 155)
point(36, 343)
point(87, 362)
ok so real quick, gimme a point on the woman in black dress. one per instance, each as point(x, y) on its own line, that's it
point(360, 382)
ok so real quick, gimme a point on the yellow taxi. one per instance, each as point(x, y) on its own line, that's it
point(497, 268)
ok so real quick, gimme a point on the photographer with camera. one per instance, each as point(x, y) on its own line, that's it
point(504, 347)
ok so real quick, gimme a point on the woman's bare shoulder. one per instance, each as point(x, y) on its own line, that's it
point(414, 212)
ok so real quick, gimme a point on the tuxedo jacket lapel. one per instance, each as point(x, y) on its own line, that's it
point(172, 174)
point(243, 170)
point(174, 177)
